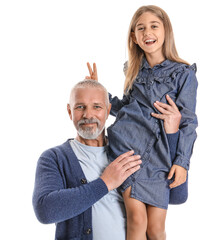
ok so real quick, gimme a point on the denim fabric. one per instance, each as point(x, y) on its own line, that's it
point(135, 128)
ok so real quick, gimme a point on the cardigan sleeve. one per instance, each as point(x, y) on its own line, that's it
point(52, 201)
point(173, 142)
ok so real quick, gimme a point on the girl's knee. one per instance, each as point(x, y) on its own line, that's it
point(156, 231)
point(137, 218)
point(136, 210)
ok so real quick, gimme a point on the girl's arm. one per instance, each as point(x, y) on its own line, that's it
point(186, 102)
point(117, 104)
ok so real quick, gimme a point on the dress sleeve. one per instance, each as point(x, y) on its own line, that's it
point(186, 102)
point(53, 202)
point(117, 104)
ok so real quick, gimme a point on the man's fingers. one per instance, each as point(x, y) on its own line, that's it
point(163, 107)
point(123, 156)
point(130, 159)
point(130, 164)
point(131, 171)
point(170, 101)
point(159, 116)
point(120, 169)
point(127, 160)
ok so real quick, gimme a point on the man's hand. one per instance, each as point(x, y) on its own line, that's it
point(169, 114)
point(93, 73)
point(120, 169)
point(180, 175)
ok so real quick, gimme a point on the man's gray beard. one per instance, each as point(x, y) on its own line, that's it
point(89, 133)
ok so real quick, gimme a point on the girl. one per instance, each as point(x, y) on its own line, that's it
point(154, 71)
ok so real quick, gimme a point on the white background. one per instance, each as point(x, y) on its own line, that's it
point(44, 47)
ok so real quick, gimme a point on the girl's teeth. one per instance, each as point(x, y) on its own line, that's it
point(149, 40)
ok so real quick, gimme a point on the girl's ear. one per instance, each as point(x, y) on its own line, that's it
point(134, 37)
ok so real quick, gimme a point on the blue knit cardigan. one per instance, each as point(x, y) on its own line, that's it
point(63, 196)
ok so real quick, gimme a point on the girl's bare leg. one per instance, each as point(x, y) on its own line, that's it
point(156, 223)
point(136, 217)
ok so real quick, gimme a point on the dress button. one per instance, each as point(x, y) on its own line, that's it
point(88, 231)
point(83, 181)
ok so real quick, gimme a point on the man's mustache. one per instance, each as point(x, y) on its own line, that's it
point(87, 121)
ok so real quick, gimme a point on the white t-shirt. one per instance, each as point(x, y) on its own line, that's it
point(108, 214)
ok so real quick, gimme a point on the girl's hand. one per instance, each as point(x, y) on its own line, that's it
point(93, 73)
point(170, 114)
point(180, 175)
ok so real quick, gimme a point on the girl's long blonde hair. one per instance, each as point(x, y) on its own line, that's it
point(136, 54)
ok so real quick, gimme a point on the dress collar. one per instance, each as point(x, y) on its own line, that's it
point(146, 65)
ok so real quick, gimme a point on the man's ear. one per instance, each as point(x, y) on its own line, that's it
point(134, 37)
point(109, 109)
point(69, 111)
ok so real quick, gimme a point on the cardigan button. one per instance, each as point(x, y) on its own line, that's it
point(88, 231)
point(83, 181)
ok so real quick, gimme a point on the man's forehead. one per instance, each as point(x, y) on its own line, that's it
point(81, 94)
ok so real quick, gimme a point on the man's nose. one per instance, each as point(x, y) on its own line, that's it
point(87, 113)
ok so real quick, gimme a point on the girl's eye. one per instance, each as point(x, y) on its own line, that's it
point(141, 29)
point(154, 26)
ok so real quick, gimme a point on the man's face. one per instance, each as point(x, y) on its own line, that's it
point(88, 111)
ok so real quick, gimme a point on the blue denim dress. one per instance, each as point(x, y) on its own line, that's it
point(135, 128)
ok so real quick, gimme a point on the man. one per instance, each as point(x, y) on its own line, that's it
point(73, 177)
point(75, 185)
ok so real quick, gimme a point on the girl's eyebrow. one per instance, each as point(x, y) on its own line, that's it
point(140, 24)
point(155, 22)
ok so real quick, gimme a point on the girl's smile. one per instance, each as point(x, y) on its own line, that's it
point(150, 41)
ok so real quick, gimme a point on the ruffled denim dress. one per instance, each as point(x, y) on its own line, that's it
point(135, 128)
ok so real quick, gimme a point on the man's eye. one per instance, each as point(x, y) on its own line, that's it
point(97, 107)
point(79, 107)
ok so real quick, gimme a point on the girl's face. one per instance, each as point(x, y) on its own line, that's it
point(149, 34)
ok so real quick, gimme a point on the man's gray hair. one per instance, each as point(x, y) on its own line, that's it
point(89, 83)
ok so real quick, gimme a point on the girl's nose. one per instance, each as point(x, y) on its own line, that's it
point(147, 32)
